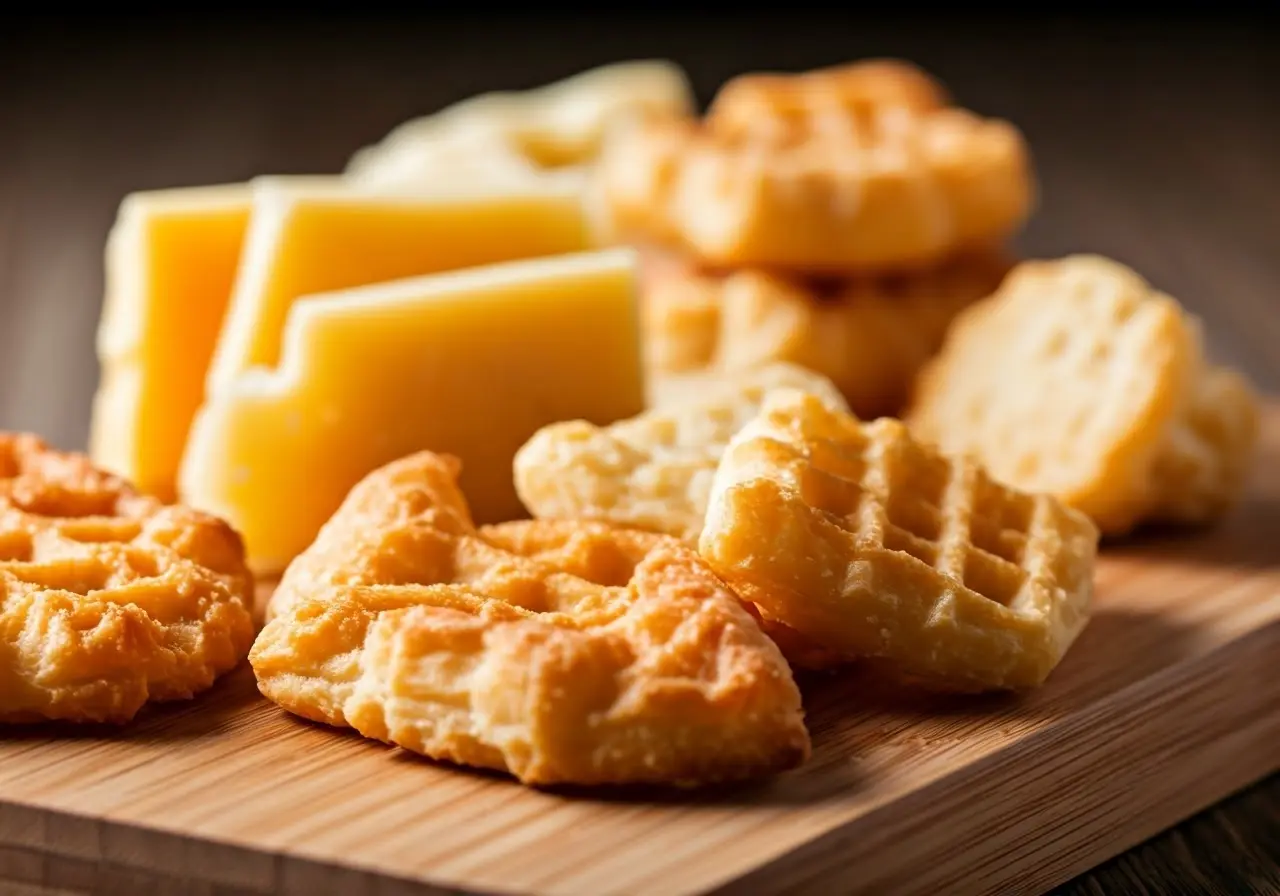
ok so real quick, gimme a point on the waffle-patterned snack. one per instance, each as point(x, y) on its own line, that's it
point(549, 131)
point(560, 652)
point(653, 471)
point(680, 314)
point(1202, 467)
point(873, 545)
point(869, 336)
point(108, 599)
point(1080, 380)
point(827, 97)
point(832, 172)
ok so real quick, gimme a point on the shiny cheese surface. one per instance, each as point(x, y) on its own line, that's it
point(170, 264)
point(470, 363)
point(305, 239)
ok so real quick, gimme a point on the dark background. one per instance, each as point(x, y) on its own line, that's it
point(1156, 139)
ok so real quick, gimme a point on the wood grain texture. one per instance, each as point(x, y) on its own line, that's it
point(1166, 704)
point(1155, 142)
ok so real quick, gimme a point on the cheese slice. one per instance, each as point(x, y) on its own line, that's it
point(557, 125)
point(470, 363)
point(471, 160)
point(310, 238)
point(170, 263)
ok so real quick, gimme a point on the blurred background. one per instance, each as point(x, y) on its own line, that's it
point(1155, 141)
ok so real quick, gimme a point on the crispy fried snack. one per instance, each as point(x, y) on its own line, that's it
point(653, 471)
point(1080, 380)
point(825, 97)
point(680, 315)
point(869, 336)
point(1201, 470)
point(561, 652)
point(873, 545)
point(855, 169)
point(108, 599)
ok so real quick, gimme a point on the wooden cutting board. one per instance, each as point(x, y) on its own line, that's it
point(1169, 701)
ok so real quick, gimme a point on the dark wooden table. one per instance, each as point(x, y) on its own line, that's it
point(1156, 143)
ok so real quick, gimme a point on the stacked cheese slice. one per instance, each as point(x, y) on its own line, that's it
point(264, 345)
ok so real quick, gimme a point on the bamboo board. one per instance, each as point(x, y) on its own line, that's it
point(1168, 702)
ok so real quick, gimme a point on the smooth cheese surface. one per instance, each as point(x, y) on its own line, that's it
point(171, 261)
point(305, 239)
point(469, 362)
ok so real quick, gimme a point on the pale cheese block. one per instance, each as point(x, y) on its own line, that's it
point(469, 363)
point(473, 160)
point(306, 239)
point(171, 261)
point(556, 126)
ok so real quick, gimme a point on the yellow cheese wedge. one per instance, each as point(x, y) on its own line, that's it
point(468, 362)
point(306, 239)
point(170, 263)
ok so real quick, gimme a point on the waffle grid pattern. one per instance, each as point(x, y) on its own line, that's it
point(871, 544)
point(108, 599)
